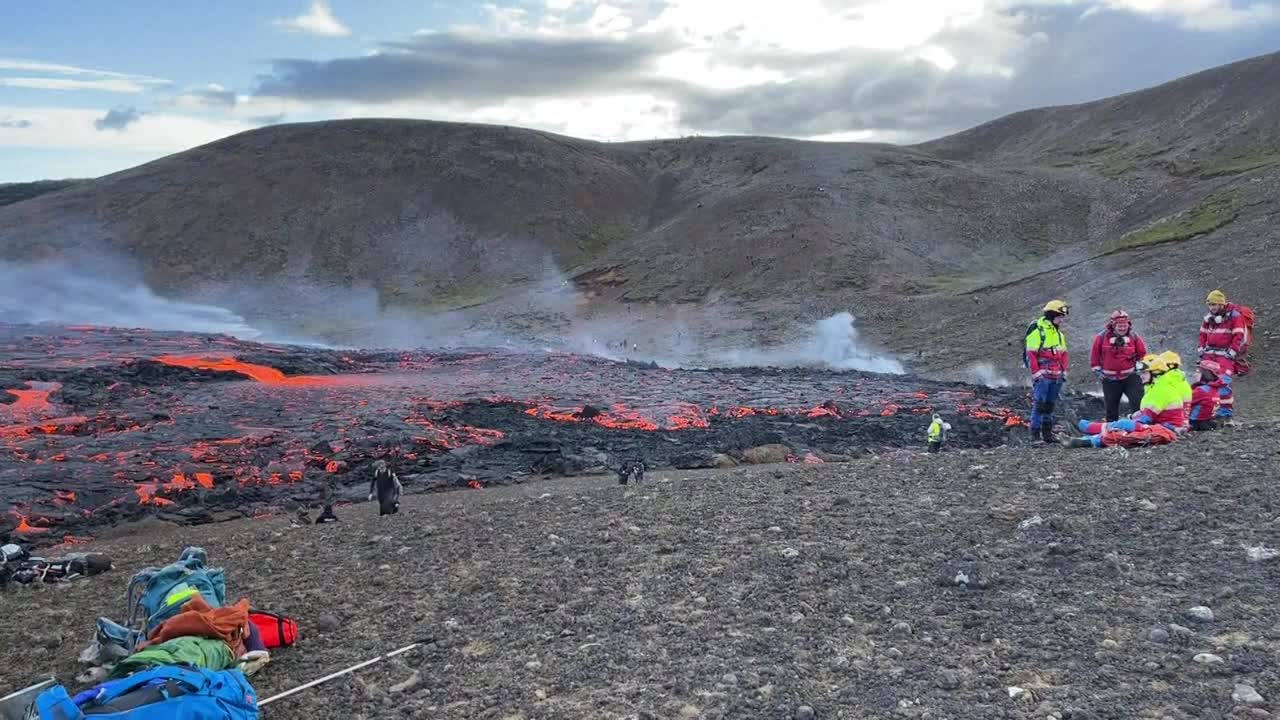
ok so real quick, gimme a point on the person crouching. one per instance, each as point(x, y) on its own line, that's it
point(1157, 422)
point(1207, 395)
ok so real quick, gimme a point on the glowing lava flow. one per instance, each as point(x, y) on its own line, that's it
point(260, 373)
point(33, 401)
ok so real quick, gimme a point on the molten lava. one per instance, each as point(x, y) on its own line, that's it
point(259, 373)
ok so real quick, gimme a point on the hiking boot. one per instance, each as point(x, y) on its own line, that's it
point(1046, 434)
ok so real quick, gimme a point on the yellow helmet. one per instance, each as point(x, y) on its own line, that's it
point(1153, 364)
point(1057, 306)
point(1172, 359)
point(1217, 297)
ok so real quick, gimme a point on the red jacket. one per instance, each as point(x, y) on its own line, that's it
point(1116, 361)
point(1143, 436)
point(1224, 333)
point(1207, 397)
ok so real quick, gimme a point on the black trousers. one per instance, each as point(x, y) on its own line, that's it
point(1130, 387)
point(1204, 425)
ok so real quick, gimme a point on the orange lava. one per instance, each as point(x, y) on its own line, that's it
point(32, 401)
point(259, 373)
point(25, 528)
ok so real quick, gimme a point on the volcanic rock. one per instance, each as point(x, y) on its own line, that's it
point(771, 454)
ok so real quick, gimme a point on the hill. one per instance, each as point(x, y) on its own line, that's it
point(902, 586)
point(16, 192)
point(942, 250)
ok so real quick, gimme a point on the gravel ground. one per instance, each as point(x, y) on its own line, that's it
point(906, 585)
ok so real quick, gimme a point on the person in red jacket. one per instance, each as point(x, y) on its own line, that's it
point(1208, 395)
point(1223, 333)
point(1114, 359)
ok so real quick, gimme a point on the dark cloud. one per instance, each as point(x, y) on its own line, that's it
point(267, 119)
point(1056, 56)
point(118, 119)
point(1018, 58)
point(8, 121)
point(454, 66)
point(214, 96)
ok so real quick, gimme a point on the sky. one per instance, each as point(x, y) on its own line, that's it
point(89, 88)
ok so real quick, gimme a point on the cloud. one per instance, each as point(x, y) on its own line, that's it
point(13, 123)
point(150, 135)
point(830, 69)
point(211, 96)
point(83, 78)
point(317, 20)
point(458, 65)
point(118, 119)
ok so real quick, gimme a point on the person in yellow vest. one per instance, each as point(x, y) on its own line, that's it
point(938, 433)
point(1046, 358)
point(1179, 379)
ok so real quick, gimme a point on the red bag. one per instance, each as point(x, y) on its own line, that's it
point(276, 631)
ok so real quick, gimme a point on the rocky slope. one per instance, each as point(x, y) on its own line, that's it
point(942, 250)
point(983, 584)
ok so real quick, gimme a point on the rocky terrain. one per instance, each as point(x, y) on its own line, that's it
point(1147, 200)
point(999, 583)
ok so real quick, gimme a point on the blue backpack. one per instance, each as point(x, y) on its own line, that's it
point(167, 692)
point(157, 594)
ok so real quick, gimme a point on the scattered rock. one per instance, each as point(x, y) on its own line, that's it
point(771, 454)
point(1033, 521)
point(729, 679)
point(1147, 506)
point(410, 683)
point(533, 665)
point(842, 501)
point(1207, 659)
point(1110, 644)
point(1160, 635)
point(804, 712)
point(775, 529)
point(790, 552)
point(949, 680)
point(540, 694)
point(721, 460)
point(327, 623)
point(1200, 613)
point(1180, 470)
point(1246, 695)
point(902, 629)
point(690, 711)
point(848, 621)
point(1184, 631)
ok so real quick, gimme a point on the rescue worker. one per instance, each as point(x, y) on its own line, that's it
point(1207, 395)
point(1114, 359)
point(1223, 338)
point(1046, 357)
point(938, 433)
point(1174, 361)
point(1156, 423)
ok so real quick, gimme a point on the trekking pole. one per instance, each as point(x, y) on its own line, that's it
point(340, 673)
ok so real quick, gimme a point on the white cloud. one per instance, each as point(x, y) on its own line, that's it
point(116, 85)
point(317, 20)
point(88, 78)
point(73, 128)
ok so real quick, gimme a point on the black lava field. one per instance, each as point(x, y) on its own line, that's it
point(103, 426)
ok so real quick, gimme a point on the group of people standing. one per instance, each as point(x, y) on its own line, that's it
point(1162, 402)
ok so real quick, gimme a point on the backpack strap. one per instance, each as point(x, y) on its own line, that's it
point(176, 673)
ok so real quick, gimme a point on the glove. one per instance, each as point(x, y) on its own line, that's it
point(1037, 375)
point(1232, 353)
point(1098, 372)
point(370, 497)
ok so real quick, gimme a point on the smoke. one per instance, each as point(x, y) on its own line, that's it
point(103, 293)
point(984, 373)
point(831, 343)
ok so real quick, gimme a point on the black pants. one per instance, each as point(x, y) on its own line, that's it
point(1204, 425)
point(1130, 387)
point(934, 446)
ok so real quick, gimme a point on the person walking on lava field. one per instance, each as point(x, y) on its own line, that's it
point(1206, 397)
point(1046, 357)
point(938, 433)
point(1114, 359)
point(1157, 422)
point(1225, 336)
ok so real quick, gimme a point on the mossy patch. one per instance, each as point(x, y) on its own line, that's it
point(1242, 164)
point(1213, 213)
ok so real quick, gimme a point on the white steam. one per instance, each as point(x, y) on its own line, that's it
point(832, 343)
point(984, 373)
point(70, 294)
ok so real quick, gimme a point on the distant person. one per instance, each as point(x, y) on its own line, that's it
point(1116, 352)
point(1207, 395)
point(1174, 361)
point(937, 435)
point(386, 486)
point(1046, 357)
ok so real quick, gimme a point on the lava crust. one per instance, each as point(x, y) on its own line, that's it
point(102, 426)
